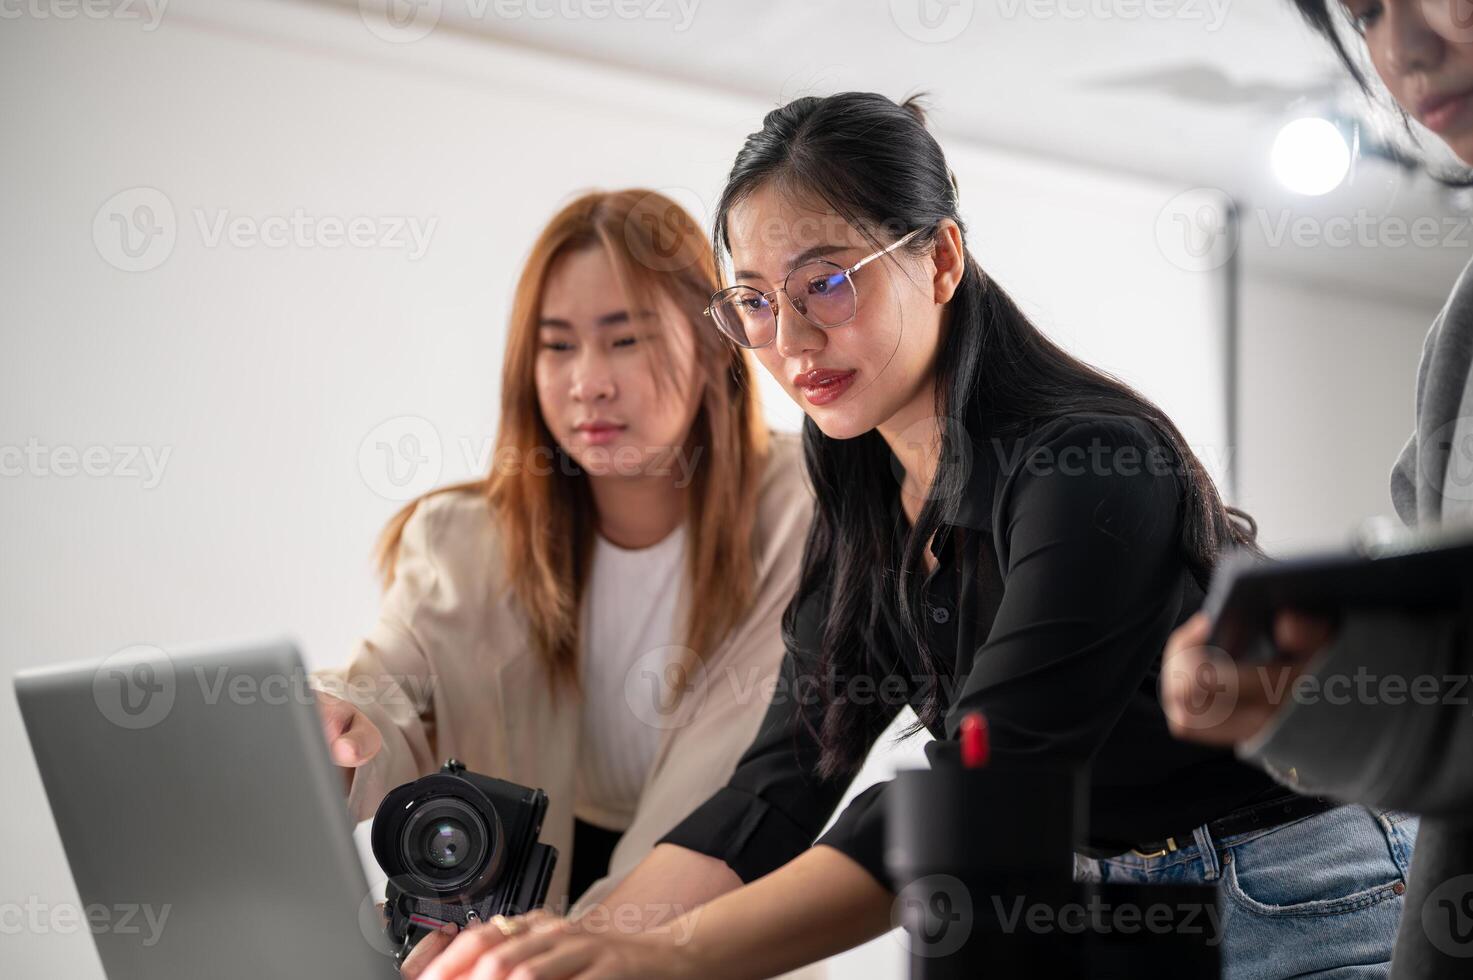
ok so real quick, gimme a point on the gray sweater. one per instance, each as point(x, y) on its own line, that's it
point(1403, 738)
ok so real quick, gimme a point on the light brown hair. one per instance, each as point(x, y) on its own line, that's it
point(545, 514)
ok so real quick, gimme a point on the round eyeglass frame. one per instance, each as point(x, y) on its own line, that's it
point(722, 294)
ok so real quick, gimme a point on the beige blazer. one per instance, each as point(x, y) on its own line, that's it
point(448, 672)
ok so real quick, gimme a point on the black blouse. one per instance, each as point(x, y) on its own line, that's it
point(1055, 591)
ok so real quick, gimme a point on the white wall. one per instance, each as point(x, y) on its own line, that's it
point(263, 378)
point(1325, 404)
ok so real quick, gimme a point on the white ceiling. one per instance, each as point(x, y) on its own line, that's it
point(1080, 89)
point(1188, 91)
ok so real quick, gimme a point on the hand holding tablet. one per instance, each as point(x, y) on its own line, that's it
point(1409, 571)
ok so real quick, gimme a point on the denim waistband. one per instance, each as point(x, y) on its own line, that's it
point(1202, 846)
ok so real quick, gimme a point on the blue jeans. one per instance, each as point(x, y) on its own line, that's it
point(1316, 897)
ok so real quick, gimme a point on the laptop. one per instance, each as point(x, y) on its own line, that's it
point(203, 820)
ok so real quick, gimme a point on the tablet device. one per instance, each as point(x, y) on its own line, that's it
point(1408, 571)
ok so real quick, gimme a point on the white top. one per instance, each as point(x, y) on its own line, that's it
point(628, 636)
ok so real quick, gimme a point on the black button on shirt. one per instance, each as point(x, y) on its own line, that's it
point(1054, 594)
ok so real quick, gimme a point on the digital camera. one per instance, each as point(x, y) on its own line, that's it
point(459, 847)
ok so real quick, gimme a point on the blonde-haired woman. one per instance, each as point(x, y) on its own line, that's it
point(599, 615)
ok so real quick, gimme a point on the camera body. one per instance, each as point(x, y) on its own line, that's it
point(459, 847)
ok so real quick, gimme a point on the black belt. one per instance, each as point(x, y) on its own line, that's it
point(1259, 816)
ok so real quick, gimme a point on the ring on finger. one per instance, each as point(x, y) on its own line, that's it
point(507, 927)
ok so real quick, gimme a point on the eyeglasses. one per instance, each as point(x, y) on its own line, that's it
point(822, 293)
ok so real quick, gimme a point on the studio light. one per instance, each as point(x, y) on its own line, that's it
point(1310, 156)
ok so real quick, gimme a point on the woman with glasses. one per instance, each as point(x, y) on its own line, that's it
point(1000, 528)
point(591, 617)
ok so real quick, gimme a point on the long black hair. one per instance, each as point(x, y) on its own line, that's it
point(873, 162)
point(1321, 16)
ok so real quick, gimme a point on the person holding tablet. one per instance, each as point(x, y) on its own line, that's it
point(1000, 528)
point(1411, 749)
point(591, 617)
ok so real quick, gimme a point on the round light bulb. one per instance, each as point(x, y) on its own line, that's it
point(1310, 156)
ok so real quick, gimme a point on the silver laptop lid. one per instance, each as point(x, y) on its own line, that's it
point(193, 788)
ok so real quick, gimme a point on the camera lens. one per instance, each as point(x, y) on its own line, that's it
point(447, 844)
point(441, 838)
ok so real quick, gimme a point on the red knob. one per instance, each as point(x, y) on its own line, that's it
point(975, 745)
